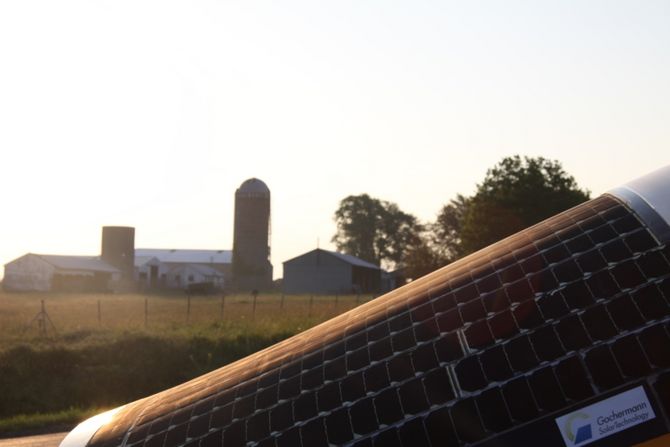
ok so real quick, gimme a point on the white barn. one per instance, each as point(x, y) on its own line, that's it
point(43, 273)
point(181, 269)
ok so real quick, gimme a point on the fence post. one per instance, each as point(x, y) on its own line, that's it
point(99, 313)
point(311, 302)
point(223, 304)
point(146, 312)
point(41, 322)
point(188, 307)
point(42, 319)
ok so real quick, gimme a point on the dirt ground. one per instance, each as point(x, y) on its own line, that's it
point(51, 440)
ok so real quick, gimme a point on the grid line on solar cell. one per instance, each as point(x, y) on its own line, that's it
point(345, 404)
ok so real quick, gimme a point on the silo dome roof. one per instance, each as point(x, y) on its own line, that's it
point(253, 186)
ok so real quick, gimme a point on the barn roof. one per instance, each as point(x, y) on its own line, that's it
point(144, 260)
point(89, 263)
point(187, 256)
point(349, 259)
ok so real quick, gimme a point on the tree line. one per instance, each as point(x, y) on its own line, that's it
point(515, 193)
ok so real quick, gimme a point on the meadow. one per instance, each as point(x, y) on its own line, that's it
point(96, 351)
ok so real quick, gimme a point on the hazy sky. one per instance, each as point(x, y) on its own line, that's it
point(151, 113)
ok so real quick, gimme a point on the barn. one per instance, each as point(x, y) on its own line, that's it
point(182, 269)
point(42, 273)
point(328, 272)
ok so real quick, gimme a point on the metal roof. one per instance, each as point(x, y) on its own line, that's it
point(349, 259)
point(89, 263)
point(143, 260)
point(187, 256)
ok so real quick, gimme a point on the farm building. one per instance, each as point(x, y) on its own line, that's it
point(42, 273)
point(322, 271)
point(147, 271)
point(180, 269)
point(162, 268)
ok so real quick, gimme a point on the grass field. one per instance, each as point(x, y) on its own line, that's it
point(105, 350)
point(92, 318)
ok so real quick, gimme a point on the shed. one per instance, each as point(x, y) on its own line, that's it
point(327, 272)
point(43, 273)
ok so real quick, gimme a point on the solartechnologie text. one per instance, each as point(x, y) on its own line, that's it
point(605, 418)
point(618, 420)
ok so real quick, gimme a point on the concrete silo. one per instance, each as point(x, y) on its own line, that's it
point(118, 249)
point(251, 239)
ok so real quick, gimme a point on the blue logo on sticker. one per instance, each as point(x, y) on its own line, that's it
point(583, 434)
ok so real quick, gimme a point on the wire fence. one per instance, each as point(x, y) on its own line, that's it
point(51, 313)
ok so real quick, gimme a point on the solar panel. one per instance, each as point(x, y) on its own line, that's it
point(489, 350)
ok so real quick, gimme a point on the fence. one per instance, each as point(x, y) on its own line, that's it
point(72, 312)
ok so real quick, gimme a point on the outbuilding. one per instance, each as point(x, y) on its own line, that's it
point(43, 273)
point(327, 272)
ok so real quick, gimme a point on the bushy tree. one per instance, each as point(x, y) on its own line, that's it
point(422, 258)
point(375, 230)
point(515, 194)
point(445, 234)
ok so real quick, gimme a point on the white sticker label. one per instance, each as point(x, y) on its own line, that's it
point(605, 418)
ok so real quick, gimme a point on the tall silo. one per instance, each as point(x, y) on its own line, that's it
point(118, 249)
point(251, 239)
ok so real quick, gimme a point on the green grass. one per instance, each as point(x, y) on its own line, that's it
point(76, 320)
point(86, 362)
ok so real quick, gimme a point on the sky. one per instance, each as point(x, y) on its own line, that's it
point(151, 113)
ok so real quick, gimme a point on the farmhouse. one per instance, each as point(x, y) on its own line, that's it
point(322, 271)
point(34, 272)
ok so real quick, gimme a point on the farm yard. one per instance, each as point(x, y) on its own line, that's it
point(96, 351)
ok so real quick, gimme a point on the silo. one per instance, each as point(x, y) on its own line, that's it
point(251, 239)
point(118, 249)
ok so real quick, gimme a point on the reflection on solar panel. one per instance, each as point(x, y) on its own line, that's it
point(489, 351)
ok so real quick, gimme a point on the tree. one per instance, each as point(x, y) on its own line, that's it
point(374, 230)
point(422, 258)
point(515, 194)
point(445, 236)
